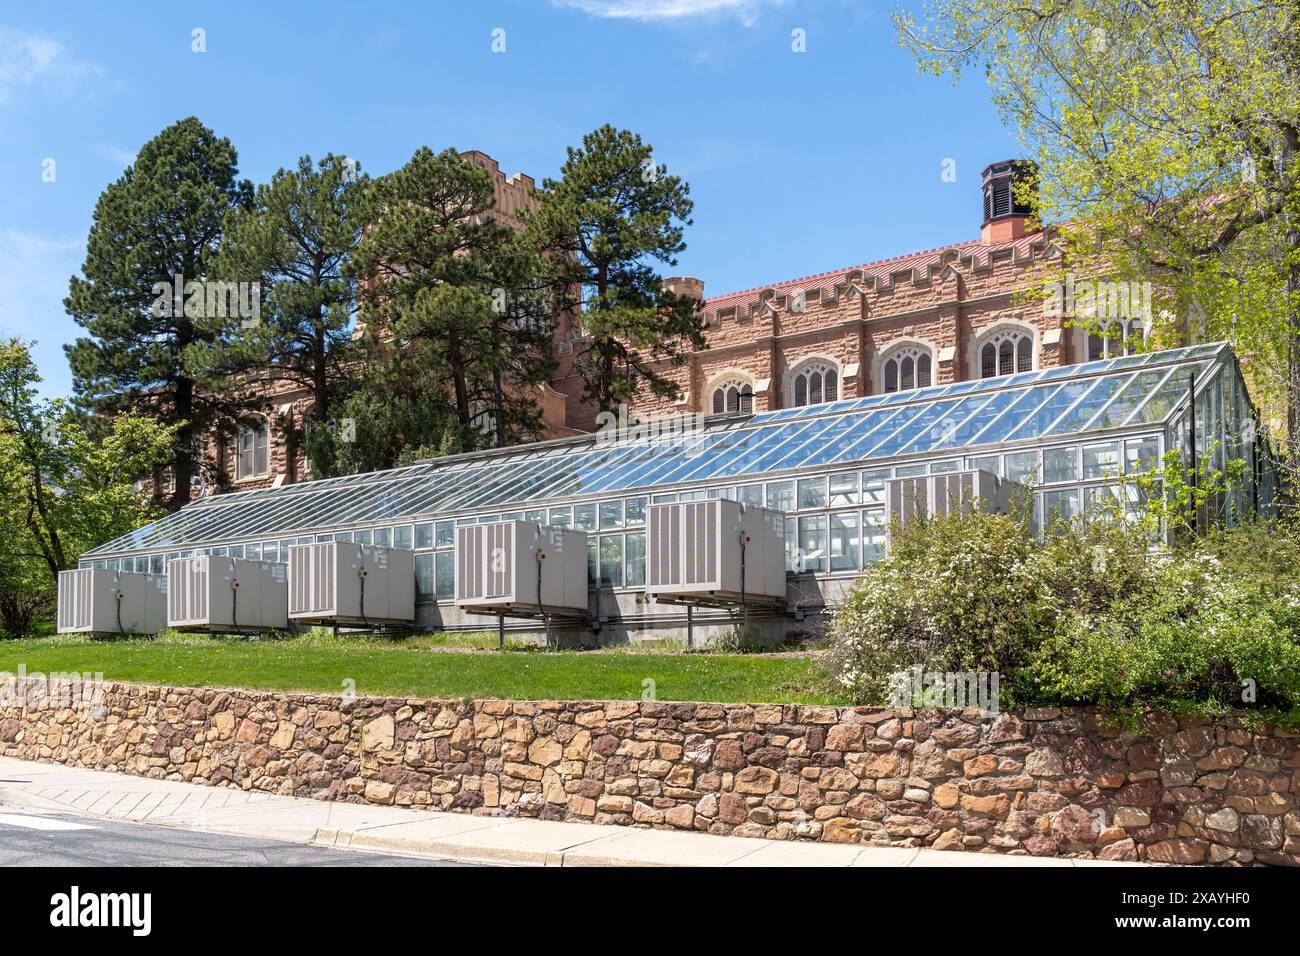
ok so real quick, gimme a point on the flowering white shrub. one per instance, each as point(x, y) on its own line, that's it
point(1084, 614)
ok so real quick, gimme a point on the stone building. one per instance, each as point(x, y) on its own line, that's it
point(931, 317)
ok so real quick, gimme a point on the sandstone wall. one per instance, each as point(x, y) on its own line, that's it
point(1043, 781)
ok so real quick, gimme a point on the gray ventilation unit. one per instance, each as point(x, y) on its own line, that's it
point(513, 567)
point(346, 583)
point(97, 601)
point(718, 550)
point(208, 593)
point(929, 496)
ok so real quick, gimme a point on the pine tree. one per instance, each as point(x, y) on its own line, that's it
point(297, 239)
point(159, 224)
point(454, 349)
point(604, 224)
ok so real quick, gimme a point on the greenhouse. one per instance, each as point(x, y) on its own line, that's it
point(1072, 433)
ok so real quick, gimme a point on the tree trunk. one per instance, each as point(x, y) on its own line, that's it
point(186, 439)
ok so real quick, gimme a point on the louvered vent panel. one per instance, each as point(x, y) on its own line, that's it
point(187, 589)
point(312, 579)
point(76, 592)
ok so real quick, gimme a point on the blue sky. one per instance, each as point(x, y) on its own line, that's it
point(798, 162)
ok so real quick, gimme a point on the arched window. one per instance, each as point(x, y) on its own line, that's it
point(814, 384)
point(1117, 337)
point(1007, 352)
point(906, 369)
point(733, 395)
point(252, 443)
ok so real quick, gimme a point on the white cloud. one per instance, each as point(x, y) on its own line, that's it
point(34, 271)
point(32, 60)
point(744, 10)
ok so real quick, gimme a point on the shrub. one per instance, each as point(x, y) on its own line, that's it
point(1083, 614)
point(954, 594)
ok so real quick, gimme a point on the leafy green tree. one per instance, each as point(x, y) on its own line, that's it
point(297, 239)
point(160, 223)
point(1168, 134)
point(604, 224)
point(62, 490)
point(454, 348)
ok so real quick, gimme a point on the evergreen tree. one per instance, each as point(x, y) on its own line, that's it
point(157, 226)
point(297, 239)
point(454, 346)
point(604, 224)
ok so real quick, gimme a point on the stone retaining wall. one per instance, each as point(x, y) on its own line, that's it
point(1044, 782)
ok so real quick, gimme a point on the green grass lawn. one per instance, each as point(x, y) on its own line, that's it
point(425, 666)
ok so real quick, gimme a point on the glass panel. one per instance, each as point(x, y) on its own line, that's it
point(402, 537)
point(1060, 505)
point(812, 493)
point(445, 568)
point(1078, 417)
point(991, 463)
point(1022, 466)
point(1034, 425)
point(634, 546)
point(363, 537)
point(584, 517)
point(780, 495)
point(812, 543)
point(156, 564)
point(384, 537)
point(875, 528)
point(750, 495)
point(593, 569)
point(271, 552)
point(873, 487)
point(1100, 498)
point(424, 585)
point(1101, 461)
point(634, 510)
point(1141, 455)
point(562, 517)
point(844, 490)
point(236, 551)
point(910, 471)
point(1060, 464)
point(844, 542)
point(611, 515)
point(253, 552)
point(345, 536)
point(536, 516)
point(611, 561)
point(424, 535)
point(943, 467)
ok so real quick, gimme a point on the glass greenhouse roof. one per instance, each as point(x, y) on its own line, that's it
point(1137, 390)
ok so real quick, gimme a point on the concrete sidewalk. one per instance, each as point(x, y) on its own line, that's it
point(451, 836)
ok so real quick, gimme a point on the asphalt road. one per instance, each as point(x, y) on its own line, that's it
point(62, 839)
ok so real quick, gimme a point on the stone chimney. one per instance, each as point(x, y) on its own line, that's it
point(685, 286)
point(1007, 185)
